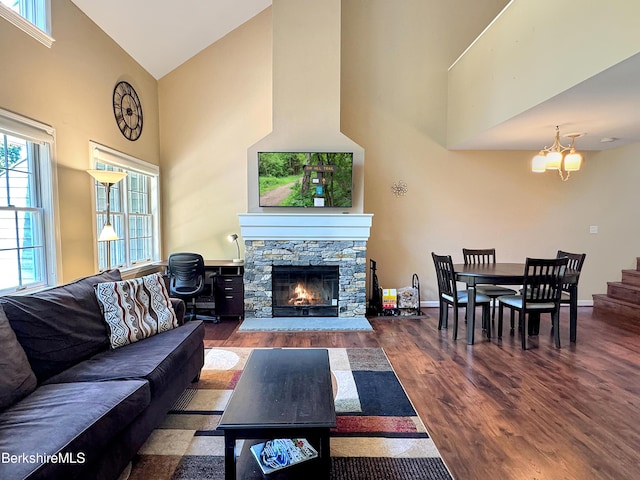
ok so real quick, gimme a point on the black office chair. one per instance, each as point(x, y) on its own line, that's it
point(541, 290)
point(186, 277)
point(448, 294)
point(479, 256)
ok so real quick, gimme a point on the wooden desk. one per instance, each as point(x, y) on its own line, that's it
point(282, 393)
point(506, 274)
point(226, 297)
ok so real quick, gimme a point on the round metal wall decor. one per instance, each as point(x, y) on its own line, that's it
point(399, 188)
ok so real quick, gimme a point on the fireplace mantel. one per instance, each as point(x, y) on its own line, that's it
point(305, 226)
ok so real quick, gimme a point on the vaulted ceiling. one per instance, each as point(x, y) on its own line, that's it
point(163, 34)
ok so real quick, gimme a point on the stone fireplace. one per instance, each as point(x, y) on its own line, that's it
point(329, 241)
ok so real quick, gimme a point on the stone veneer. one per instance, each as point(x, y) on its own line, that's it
point(261, 255)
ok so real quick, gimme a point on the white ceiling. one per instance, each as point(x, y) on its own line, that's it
point(163, 34)
point(604, 106)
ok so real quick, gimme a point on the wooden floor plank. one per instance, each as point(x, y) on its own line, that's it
point(495, 411)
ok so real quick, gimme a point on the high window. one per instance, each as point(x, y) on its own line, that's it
point(134, 211)
point(27, 219)
point(31, 16)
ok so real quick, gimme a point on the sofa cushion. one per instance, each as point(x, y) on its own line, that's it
point(61, 326)
point(180, 308)
point(77, 419)
point(17, 379)
point(136, 309)
point(155, 359)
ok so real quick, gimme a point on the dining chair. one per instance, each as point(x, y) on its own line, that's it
point(476, 256)
point(541, 290)
point(448, 294)
point(574, 263)
point(570, 290)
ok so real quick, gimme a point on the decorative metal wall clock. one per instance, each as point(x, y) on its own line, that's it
point(128, 110)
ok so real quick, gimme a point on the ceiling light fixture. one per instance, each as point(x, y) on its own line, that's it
point(554, 158)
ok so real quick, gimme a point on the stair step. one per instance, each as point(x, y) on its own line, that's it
point(604, 303)
point(624, 291)
point(631, 277)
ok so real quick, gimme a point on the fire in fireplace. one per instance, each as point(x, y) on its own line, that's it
point(300, 291)
point(306, 295)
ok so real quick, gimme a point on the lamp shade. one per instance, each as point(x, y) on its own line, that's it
point(539, 163)
point(108, 233)
point(572, 162)
point(554, 160)
point(107, 176)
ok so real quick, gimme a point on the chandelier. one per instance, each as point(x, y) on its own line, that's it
point(554, 158)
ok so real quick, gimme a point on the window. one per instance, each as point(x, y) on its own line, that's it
point(134, 211)
point(31, 16)
point(27, 223)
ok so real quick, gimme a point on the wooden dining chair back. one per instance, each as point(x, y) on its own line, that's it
point(485, 256)
point(541, 290)
point(574, 263)
point(474, 256)
point(448, 294)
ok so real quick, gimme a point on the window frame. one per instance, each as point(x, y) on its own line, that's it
point(108, 156)
point(44, 37)
point(45, 172)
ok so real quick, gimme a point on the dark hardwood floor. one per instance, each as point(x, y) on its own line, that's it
point(497, 412)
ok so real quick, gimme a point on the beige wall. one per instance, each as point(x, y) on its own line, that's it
point(70, 87)
point(395, 57)
point(212, 108)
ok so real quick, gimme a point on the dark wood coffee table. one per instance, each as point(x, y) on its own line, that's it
point(282, 393)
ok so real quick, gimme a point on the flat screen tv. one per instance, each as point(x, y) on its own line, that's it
point(305, 179)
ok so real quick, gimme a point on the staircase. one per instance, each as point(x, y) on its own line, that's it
point(622, 298)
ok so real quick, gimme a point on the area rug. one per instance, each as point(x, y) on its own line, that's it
point(305, 324)
point(378, 434)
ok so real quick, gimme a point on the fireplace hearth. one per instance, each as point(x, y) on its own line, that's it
point(305, 291)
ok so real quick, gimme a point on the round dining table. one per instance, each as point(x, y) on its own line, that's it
point(506, 274)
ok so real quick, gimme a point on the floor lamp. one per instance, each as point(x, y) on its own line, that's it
point(107, 178)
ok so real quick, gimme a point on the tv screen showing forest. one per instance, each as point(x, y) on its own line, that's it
point(305, 179)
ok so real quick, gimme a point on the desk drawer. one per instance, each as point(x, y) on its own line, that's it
point(229, 292)
point(229, 283)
